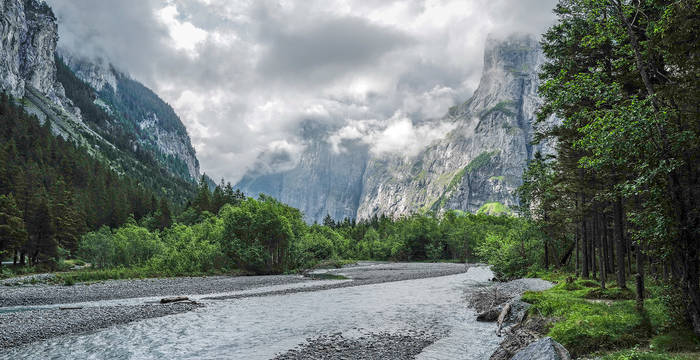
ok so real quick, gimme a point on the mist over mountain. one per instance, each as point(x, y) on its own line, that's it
point(473, 155)
point(89, 102)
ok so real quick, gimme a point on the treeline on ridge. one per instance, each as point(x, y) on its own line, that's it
point(52, 192)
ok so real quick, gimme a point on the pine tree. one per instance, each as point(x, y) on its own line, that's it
point(202, 201)
point(164, 217)
point(13, 233)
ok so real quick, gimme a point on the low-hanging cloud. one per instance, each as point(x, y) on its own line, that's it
point(246, 76)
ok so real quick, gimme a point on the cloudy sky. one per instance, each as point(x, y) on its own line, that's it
point(243, 75)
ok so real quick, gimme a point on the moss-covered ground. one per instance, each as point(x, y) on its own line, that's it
point(594, 322)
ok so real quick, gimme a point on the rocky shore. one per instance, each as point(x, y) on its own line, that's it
point(522, 335)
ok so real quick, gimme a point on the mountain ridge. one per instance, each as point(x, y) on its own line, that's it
point(131, 138)
point(480, 161)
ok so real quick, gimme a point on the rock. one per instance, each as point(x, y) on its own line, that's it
point(174, 299)
point(543, 349)
point(161, 130)
point(29, 37)
point(28, 70)
point(479, 161)
point(490, 314)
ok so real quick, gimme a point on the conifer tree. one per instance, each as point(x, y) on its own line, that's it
point(13, 233)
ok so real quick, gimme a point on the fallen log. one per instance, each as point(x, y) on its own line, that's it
point(174, 299)
point(70, 307)
point(502, 317)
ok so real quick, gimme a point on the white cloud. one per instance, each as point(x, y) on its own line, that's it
point(397, 135)
point(245, 75)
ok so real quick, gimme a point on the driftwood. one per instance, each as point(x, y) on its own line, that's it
point(174, 299)
point(70, 307)
point(502, 317)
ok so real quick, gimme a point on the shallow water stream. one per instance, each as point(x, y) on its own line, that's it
point(260, 327)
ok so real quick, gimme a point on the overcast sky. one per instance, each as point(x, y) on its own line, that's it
point(243, 75)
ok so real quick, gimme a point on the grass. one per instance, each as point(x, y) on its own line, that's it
point(494, 208)
point(588, 327)
point(638, 354)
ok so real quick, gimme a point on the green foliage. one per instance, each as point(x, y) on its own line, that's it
point(513, 252)
point(480, 161)
point(584, 326)
point(676, 341)
point(13, 233)
point(59, 189)
point(636, 354)
point(622, 77)
point(494, 208)
point(258, 235)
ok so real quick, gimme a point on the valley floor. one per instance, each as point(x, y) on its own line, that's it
point(34, 312)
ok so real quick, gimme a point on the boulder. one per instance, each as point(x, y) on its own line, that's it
point(543, 349)
point(490, 314)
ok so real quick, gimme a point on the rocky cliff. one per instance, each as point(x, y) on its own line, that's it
point(130, 104)
point(149, 131)
point(29, 36)
point(321, 182)
point(483, 158)
point(480, 161)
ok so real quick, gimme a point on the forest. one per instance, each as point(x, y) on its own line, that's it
point(620, 199)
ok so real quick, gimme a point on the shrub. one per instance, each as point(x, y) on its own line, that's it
point(512, 253)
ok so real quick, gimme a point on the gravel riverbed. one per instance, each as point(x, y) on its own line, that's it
point(23, 320)
point(24, 327)
point(368, 346)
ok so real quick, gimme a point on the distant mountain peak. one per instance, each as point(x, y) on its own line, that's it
point(480, 161)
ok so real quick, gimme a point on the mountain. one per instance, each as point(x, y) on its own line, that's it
point(113, 117)
point(154, 125)
point(480, 161)
point(322, 182)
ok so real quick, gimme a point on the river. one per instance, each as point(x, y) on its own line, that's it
point(261, 327)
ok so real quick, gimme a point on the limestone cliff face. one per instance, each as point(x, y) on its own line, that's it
point(321, 182)
point(28, 71)
point(483, 159)
point(29, 37)
point(154, 123)
point(480, 161)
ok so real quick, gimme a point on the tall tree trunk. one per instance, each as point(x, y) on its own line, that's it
point(594, 243)
point(604, 243)
point(603, 271)
point(576, 241)
point(620, 241)
point(639, 277)
point(584, 246)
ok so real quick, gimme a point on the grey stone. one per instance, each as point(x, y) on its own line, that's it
point(28, 70)
point(481, 160)
point(543, 349)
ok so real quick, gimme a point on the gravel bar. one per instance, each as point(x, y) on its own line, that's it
point(371, 346)
point(366, 273)
point(45, 294)
point(29, 326)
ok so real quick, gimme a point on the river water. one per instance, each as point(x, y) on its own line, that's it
point(260, 327)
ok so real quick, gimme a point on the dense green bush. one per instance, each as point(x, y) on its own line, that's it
point(513, 253)
point(264, 236)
